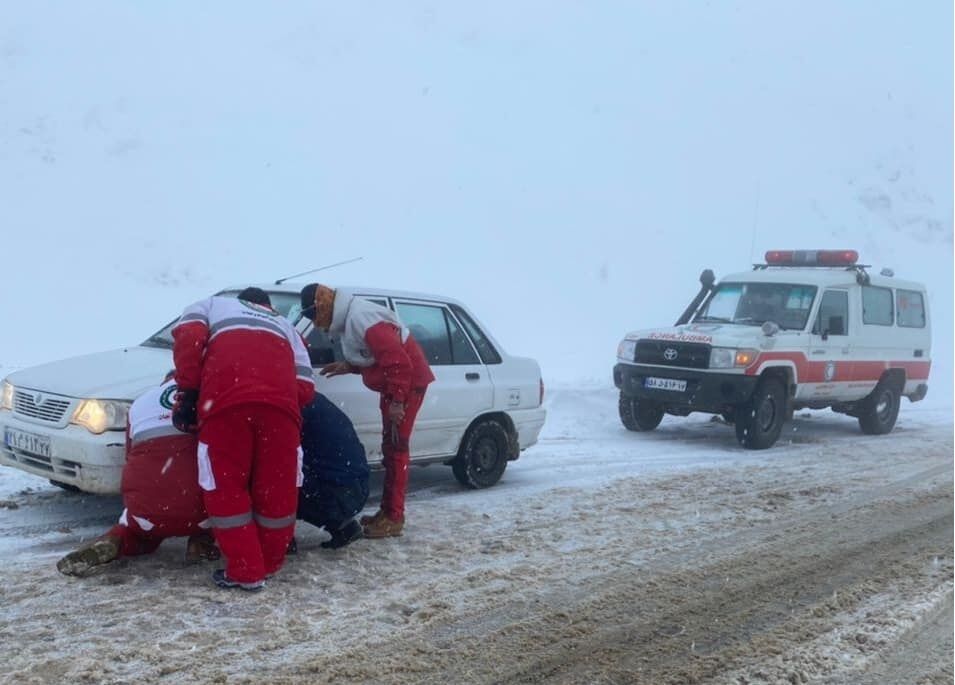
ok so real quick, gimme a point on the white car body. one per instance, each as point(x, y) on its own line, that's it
point(481, 383)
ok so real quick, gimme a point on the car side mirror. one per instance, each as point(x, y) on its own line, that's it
point(321, 356)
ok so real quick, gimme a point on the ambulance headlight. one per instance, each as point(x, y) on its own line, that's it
point(731, 357)
point(627, 350)
point(101, 415)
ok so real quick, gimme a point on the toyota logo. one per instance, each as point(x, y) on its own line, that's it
point(38, 399)
point(670, 354)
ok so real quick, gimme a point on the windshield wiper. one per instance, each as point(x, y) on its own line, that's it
point(715, 319)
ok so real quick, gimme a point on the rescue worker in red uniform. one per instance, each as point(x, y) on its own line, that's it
point(160, 489)
point(390, 361)
point(244, 376)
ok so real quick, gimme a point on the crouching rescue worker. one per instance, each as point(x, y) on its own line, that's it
point(244, 376)
point(377, 345)
point(335, 473)
point(160, 489)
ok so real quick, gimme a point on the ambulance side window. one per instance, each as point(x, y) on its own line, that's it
point(833, 316)
point(877, 306)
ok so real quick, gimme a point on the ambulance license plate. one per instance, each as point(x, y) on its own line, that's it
point(673, 384)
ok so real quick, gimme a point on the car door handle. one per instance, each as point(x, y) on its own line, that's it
point(472, 376)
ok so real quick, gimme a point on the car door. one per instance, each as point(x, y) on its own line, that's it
point(348, 392)
point(462, 388)
point(830, 363)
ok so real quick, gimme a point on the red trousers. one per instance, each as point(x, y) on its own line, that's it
point(248, 470)
point(395, 454)
point(139, 535)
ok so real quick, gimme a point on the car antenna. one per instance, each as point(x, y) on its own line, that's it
point(321, 268)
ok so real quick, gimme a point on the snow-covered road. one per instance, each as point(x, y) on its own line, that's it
point(602, 556)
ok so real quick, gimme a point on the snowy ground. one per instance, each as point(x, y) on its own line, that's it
point(602, 557)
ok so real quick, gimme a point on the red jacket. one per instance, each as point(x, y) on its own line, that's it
point(399, 366)
point(235, 352)
point(375, 341)
point(160, 479)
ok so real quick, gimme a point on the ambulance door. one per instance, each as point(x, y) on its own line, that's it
point(830, 360)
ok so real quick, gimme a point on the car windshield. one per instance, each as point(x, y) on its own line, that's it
point(286, 304)
point(752, 304)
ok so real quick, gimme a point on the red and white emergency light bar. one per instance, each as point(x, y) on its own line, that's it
point(812, 257)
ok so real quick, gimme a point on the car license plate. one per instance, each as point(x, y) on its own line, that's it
point(665, 384)
point(27, 442)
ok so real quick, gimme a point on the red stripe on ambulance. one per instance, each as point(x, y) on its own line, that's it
point(845, 371)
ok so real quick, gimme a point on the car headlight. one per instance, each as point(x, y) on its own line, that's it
point(101, 415)
point(6, 396)
point(731, 357)
point(627, 350)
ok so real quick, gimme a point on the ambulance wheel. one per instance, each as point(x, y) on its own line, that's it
point(760, 421)
point(639, 416)
point(482, 457)
point(879, 411)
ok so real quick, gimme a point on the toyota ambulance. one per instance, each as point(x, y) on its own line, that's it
point(806, 329)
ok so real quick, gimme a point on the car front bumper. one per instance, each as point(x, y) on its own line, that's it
point(705, 390)
point(92, 463)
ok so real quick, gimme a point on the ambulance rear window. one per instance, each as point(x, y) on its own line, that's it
point(910, 309)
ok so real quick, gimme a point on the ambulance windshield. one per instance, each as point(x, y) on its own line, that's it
point(752, 304)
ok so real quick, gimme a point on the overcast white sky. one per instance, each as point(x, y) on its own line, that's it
point(566, 169)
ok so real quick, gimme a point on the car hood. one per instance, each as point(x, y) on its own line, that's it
point(117, 375)
point(716, 334)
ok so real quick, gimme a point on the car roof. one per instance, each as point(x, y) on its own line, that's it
point(818, 276)
point(292, 287)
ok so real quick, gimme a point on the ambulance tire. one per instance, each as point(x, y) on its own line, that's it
point(760, 421)
point(879, 411)
point(639, 416)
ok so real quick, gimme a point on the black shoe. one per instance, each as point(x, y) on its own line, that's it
point(345, 535)
point(222, 580)
point(292, 547)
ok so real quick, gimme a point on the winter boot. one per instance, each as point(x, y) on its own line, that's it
point(365, 520)
point(222, 580)
point(383, 527)
point(201, 547)
point(344, 535)
point(100, 551)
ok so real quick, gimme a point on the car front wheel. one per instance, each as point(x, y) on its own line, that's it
point(638, 415)
point(483, 455)
point(760, 421)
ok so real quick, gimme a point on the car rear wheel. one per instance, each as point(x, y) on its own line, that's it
point(880, 410)
point(760, 421)
point(482, 457)
point(637, 415)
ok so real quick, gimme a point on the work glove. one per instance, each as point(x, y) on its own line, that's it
point(185, 417)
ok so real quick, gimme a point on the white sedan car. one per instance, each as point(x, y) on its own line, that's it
point(65, 420)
